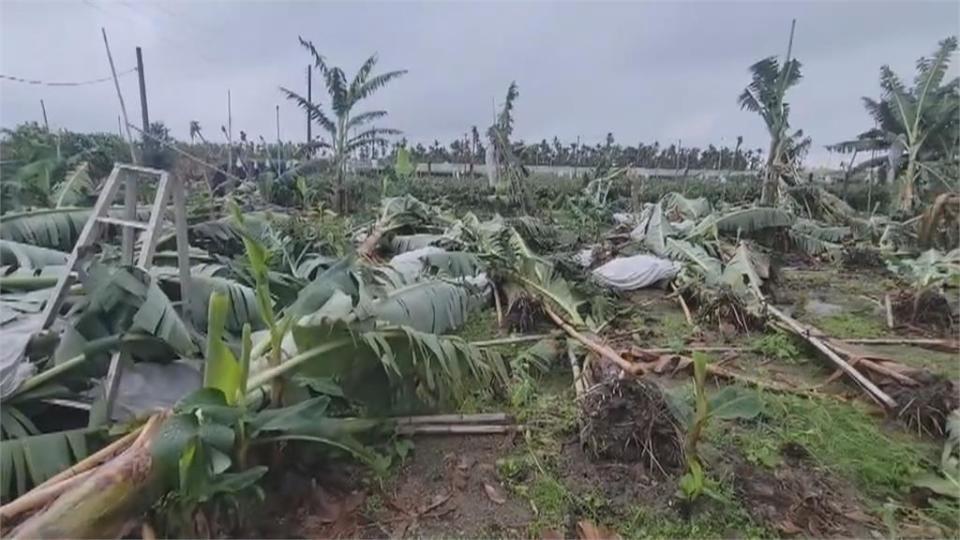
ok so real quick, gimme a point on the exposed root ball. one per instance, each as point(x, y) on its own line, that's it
point(629, 420)
point(524, 314)
point(857, 257)
point(723, 308)
point(925, 408)
point(928, 309)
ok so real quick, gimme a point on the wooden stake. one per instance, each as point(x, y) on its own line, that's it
point(889, 309)
point(683, 305)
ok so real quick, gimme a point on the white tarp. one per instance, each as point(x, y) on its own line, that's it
point(636, 272)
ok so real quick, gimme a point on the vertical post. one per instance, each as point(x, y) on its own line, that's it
point(310, 99)
point(123, 107)
point(183, 254)
point(278, 124)
point(119, 127)
point(46, 125)
point(143, 95)
point(229, 136)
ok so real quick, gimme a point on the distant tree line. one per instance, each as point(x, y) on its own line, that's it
point(470, 149)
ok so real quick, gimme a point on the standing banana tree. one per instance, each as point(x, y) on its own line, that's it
point(765, 96)
point(919, 123)
point(344, 124)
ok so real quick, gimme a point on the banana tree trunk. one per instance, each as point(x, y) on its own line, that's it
point(106, 503)
point(770, 187)
point(907, 193)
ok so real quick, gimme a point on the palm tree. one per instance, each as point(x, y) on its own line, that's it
point(765, 96)
point(919, 123)
point(195, 132)
point(343, 125)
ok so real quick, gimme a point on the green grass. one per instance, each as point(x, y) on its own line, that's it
point(777, 345)
point(841, 438)
point(716, 523)
point(675, 330)
point(851, 325)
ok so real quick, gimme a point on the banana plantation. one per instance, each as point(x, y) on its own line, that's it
point(264, 340)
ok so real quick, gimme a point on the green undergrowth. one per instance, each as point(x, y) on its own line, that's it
point(536, 472)
point(727, 521)
point(841, 438)
point(852, 325)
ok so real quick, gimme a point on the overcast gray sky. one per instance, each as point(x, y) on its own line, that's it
point(645, 71)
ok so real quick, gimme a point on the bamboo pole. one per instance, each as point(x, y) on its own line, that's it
point(457, 429)
point(810, 335)
point(512, 340)
point(603, 350)
point(479, 418)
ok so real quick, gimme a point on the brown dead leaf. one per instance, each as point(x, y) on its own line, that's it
point(551, 534)
point(494, 494)
point(588, 530)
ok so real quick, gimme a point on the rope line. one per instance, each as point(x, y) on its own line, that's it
point(76, 83)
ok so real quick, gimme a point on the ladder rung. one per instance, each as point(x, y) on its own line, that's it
point(123, 223)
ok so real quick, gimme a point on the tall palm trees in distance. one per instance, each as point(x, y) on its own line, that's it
point(342, 124)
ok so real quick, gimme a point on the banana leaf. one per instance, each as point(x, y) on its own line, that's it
point(30, 460)
point(55, 228)
point(675, 204)
point(657, 231)
point(746, 271)
point(428, 306)
point(122, 300)
point(747, 221)
point(402, 243)
point(75, 187)
point(26, 256)
point(705, 264)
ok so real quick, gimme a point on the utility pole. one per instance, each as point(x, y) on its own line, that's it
point(43, 108)
point(143, 96)
point(229, 135)
point(278, 124)
point(123, 107)
point(310, 99)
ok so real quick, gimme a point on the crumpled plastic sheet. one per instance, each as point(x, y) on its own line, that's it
point(636, 272)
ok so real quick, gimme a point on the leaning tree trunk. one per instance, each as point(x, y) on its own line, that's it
point(104, 502)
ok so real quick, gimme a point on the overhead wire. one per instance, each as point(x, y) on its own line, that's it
point(65, 83)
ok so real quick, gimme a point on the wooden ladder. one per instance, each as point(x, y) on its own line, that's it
point(129, 175)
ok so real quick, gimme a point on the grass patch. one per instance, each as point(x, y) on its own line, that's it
point(674, 329)
point(851, 325)
point(840, 437)
point(776, 345)
point(729, 522)
point(481, 325)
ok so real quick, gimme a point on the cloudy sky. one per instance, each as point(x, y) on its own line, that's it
point(645, 71)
